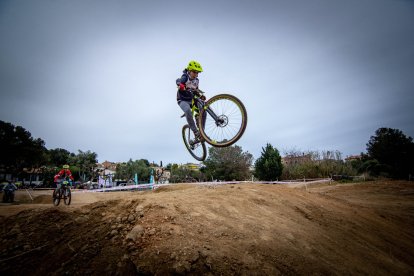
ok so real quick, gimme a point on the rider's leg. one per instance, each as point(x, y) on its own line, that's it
point(57, 187)
point(186, 107)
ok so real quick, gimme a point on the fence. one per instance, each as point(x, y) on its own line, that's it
point(152, 186)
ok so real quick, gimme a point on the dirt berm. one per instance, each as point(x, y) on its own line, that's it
point(244, 229)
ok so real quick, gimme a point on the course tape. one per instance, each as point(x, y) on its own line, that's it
point(152, 186)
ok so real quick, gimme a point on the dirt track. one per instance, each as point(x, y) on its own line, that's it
point(363, 228)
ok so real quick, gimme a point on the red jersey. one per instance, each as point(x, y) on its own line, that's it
point(63, 174)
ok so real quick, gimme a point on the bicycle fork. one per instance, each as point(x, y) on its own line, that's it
point(220, 120)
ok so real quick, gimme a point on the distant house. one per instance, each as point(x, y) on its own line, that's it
point(109, 165)
point(289, 160)
point(106, 168)
point(191, 166)
point(353, 157)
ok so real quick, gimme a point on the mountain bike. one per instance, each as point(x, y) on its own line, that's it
point(62, 193)
point(221, 121)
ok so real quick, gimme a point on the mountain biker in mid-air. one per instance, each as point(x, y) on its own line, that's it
point(186, 86)
point(62, 175)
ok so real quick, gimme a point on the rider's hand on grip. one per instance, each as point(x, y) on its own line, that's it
point(203, 97)
point(182, 86)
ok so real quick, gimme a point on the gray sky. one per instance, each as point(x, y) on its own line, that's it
point(100, 75)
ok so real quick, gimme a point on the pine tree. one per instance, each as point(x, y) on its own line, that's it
point(393, 150)
point(269, 166)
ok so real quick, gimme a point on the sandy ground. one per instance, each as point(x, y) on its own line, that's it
point(243, 229)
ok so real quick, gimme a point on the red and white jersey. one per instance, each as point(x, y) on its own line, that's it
point(63, 174)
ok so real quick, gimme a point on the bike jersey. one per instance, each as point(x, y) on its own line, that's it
point(63, 173)
point(190, 84)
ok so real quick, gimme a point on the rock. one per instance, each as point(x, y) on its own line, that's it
point(182, 267)
point(194, 258)
point(15, 230)
point(82, 219)
point(135, 233)
point(84, 247)
point(126, 267)
point(131, 218)
point(114, 232)
point(139, 210)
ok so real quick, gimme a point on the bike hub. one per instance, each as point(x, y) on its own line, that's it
point(222, 121)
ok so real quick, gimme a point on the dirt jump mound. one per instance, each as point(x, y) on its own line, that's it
point(363, 228)
point(42, 199)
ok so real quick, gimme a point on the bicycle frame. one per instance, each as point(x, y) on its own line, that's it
point(198, 104)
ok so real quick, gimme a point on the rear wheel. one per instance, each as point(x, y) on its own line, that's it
point(68, 196)
point(56, 197)
point(230, 124)
point(196, 148)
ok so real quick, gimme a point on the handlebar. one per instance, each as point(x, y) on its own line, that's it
point(199, 91)
point(64, 181)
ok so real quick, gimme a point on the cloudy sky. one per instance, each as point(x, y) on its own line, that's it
point(100, 75)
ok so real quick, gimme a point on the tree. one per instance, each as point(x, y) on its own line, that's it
point(393, 150)
point(129, 169)
point(85, 163)
point(59, 157)
point(19, 149)
point(229, 163)
point(183, 174)
point(269, 165)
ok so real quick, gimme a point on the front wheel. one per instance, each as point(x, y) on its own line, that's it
point(196, 148)
point(56, 197)
point(68, 196)
point(225, 120)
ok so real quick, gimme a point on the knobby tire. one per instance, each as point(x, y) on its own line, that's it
point(56, 197)
point(234, 107)
point(67, 196)
point(201, 146)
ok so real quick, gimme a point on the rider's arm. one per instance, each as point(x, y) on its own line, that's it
point(70, 175)
point(183, 79)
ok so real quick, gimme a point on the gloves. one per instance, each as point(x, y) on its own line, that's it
point(203, 97)
point(182, 86)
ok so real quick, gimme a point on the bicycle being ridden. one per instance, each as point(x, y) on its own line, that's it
point(220, 121)
point(63, 191)
point(63, 180)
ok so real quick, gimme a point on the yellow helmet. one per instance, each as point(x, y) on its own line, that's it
point(66, 166)
point(194, 66)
